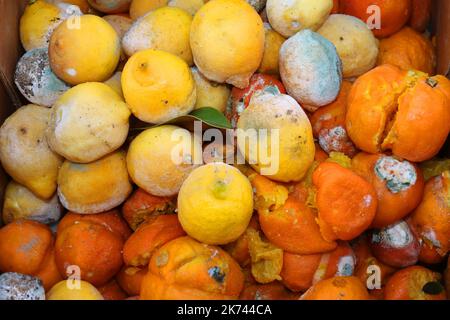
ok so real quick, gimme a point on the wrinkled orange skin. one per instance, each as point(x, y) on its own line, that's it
point(337, 288)
point(346, 202)
point(239, 249)
point(392, 207)
point(365, 258)
point(292, 226)
point(184, 269)
point(300, 272)
point(112, 220)
point(26, 247)
point(130, 279)
point(150, 235)
point(94, 248)
point(270, 291)
point(394, 13)
point(420, 14)
point(371, 97)
point(407, 284)
point(49, 273)
point(405, 112)
point(408, 49)
point(329, 118)
point(141, 205)
point(23, 246)
point(432, 216)
point(112, 291)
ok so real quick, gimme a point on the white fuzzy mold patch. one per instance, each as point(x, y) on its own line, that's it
point(399, 175)
point(398, 235)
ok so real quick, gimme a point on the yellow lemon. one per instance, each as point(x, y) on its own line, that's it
point(215, 204)
point(87, 50)
point(190, 6)
point(139, 8)
point(24, 152)
point(39, 20)
point(354, 41)
point(209, 93)
point(227, 41)
point(290, 16)
point(95, 187)
point(285, 143)
point(158, 86)
point(272, 46)
point(21, 203)
point(74, 290)
point(161, 158)
point(88, 122)
point(165, 29)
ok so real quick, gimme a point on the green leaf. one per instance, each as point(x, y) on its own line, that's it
point(210, 116)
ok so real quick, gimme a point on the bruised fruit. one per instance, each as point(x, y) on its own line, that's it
point(420, 14)
point(161, 158)
point(130, 279)
point(76, 52)
point(282, 133)
point(158, 86)
point(355, 43)
point(21, 203)
point(399, 185)
point(27, 247)
point(395, 245)
point(286, 219)
point(415, 283)
point(288, 17)
point(95, 187)
point(185, 269)
point(328, 125)
point(36, 80)
point(272, 46)
point(227, 40)
point(431, 219)
point(354, 202)
point(150, 235)
point(300, 272)
point(165, 29)
point(141, 206)
point(92, 247)
point(311, 69)
point(240, 98)
point(408, 49)
point(215, 204)
point(405, 112)
point(209, 93)
point(88, 122)
point(40, 19)
point(24, 152)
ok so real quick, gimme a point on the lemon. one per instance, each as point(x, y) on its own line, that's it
point(74, 290)
point(215, 204)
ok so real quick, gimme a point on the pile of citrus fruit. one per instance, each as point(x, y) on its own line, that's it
point(227, 149)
